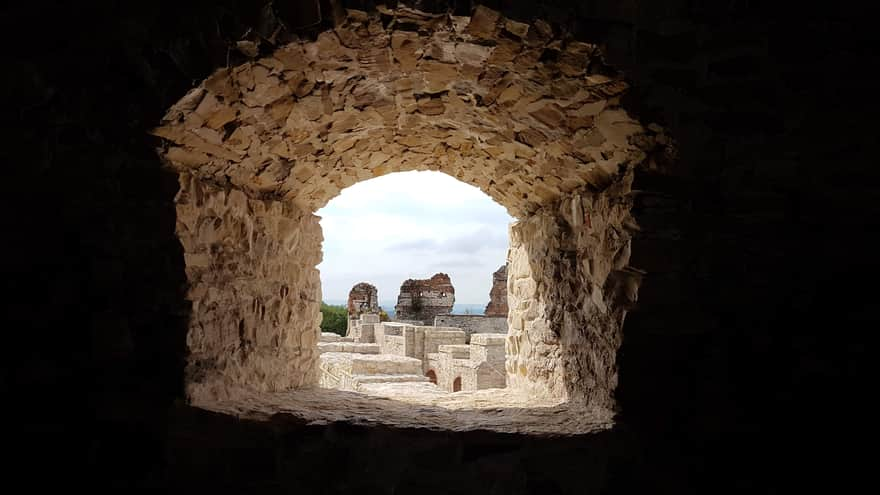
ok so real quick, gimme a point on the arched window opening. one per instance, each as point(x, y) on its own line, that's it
point(438, 223)
point(561, 160)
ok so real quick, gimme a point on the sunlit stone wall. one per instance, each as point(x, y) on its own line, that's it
point(254, 289)
point(570, 285)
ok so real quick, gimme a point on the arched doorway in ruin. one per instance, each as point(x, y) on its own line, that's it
point(532, 118)
point(456, 384)
point(432, 376)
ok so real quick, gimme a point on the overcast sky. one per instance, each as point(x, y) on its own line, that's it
point(412, 225)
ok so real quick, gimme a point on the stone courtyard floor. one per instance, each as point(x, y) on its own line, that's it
point(420, 405)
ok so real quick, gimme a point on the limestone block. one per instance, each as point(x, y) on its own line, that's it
point(488, 339)
point(456, 351)
point(384, 364)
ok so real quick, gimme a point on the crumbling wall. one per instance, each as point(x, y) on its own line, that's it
point(570, 286)
point(425, 299)
point(472, 324)
point(498, 294)
point(254, 289)
point(363, 298)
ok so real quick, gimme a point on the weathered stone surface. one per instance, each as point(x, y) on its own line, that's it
point(498, 294)
point(484, 22)
point(496, 409)
point(254, 289)
point(473, 324)
point(363, 298)
point(424, 299)
point(570, 286)
point(366, 100)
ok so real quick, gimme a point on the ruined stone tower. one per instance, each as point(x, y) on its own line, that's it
point(498, 294)
point(363, 298)
point(422, 300)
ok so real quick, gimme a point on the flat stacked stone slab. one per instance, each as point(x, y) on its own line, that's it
point(348, 347)
point(396, 390)
point(347, 371)
point(488, 338)
point(456, 351)
point(385, 364)
point(365, 379)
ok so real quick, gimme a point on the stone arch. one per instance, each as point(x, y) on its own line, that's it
point(531, 117)
point(432, 376)
point(525, 116)
point(456, 384)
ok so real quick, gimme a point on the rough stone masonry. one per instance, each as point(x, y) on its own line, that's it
point(520, 110)
point(423, 299)
point(512, 108)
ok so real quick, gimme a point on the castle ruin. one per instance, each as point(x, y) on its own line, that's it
point(458, 353)
point(498, 295)
point(428, 359)
point(422, 300)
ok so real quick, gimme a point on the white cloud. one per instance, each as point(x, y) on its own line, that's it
point(412, 225)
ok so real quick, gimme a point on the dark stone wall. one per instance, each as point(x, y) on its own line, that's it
point(284, 456)
point(740, 369)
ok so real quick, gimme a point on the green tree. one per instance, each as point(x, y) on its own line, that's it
point(334, 319)
point(383, 316)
